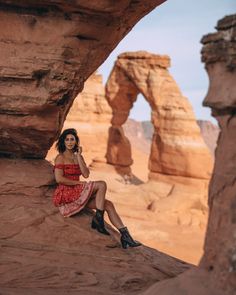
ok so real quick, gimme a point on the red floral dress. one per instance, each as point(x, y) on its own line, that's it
point(70, 199)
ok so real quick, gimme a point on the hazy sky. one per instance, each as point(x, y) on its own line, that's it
point(175, 28)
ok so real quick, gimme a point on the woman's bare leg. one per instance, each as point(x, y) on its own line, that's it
point(111, 211)
point(99, 190)
point(113, 215)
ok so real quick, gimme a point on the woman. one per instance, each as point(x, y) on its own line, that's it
point(72, 195)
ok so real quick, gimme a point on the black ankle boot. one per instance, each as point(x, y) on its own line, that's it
point(126, 239)
point(98, 222)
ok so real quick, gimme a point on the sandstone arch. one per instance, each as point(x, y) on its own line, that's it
point(177, 146)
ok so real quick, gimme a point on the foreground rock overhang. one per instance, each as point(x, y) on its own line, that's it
point(48, 49)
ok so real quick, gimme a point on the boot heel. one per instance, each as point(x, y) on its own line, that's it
point(99, 228)
point(124, 244)
point(126, 239)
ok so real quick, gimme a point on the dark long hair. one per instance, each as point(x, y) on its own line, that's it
point(60, 145)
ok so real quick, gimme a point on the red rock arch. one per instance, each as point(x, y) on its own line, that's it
point(177, 146)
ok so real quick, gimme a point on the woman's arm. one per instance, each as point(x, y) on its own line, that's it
point(83, 167)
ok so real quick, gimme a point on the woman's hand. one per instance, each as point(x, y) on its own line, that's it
point(83, 167)
point(79, 150)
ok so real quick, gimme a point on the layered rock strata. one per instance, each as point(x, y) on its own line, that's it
point(177, 145)
point(90, 106)
point(48, 49)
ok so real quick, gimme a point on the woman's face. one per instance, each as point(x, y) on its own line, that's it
point(70, 142)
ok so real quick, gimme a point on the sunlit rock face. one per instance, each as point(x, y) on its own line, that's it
point(90, 105)
point(219, 55)
point(48, 49)
point(177, 145)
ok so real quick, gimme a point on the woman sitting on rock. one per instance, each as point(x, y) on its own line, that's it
point(72, 195)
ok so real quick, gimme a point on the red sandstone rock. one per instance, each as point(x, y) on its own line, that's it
point(219, 257)
point(44, 253)
point(26, 177)
point(191, 282)
point(118, 148)
point(90, 105)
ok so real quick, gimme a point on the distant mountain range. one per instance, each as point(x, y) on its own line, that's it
point(140, 134)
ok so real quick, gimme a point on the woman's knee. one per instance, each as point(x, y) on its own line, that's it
point(101, 184)
point(108, 206)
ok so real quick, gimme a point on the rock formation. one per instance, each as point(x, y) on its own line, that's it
point(90, 105)
point(48, 50)
point(22, 177)
point(219, 55)
point(177, 146)
point(217, 271)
